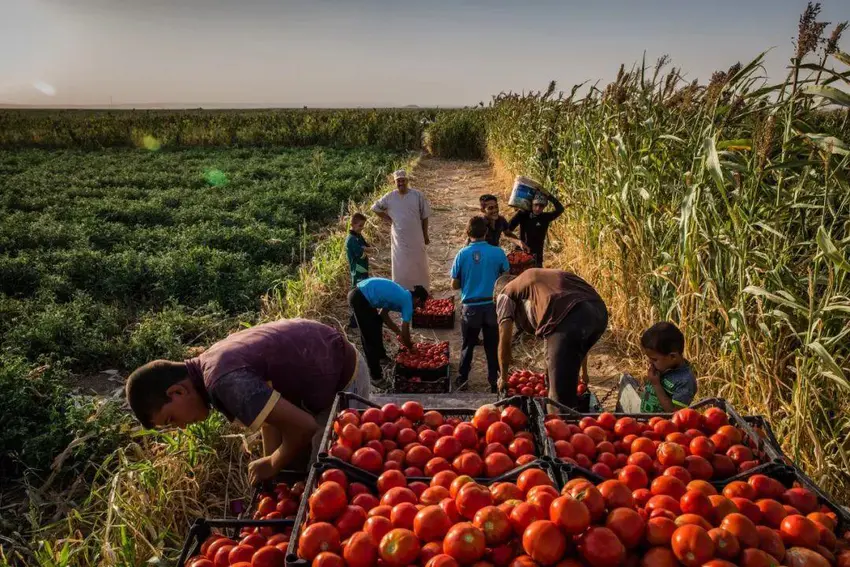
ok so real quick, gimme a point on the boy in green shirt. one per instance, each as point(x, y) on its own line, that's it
point(356, 250)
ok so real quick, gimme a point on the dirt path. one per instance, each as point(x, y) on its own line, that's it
point(453, 187)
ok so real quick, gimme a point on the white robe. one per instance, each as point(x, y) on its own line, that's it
point(409, 256)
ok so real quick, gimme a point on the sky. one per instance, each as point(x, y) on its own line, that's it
point(368, 52)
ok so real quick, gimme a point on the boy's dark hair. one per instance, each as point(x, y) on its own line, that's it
point(664, 338)
point(419, 293)
point(358, 217)
point(476, 227)
point(146, 387)
point(487, 197)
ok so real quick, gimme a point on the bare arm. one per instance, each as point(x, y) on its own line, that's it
point(425, 230)
point(405, 335)
point(384, 216)
point(294, 428)
point(559, 208)
point(455, 283)
point(385, 315)
point(506, 330)
point(512, 236)
point(584, 375)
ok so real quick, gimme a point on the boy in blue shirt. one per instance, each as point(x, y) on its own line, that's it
point(365, 299)
point(475, 271)
point(356, 250)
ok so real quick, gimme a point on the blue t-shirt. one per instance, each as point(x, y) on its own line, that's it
point(382, 293)
point(478, 266)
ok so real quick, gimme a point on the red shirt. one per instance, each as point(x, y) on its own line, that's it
point(303, 361)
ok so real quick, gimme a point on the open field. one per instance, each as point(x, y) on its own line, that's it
point(130, 235)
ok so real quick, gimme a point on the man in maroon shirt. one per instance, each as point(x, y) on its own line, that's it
point(280, 377)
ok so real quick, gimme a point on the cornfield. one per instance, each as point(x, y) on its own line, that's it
point(725, 208)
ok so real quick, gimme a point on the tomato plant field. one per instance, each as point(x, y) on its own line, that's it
point(96, 247)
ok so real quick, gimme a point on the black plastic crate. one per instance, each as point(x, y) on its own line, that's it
point(289, 477)
point(203, 528)
point(344, 400)
point(759, 445)
point(409, 381)
point(425, 321)
point(790, 476)
point(370, 481)
point(771, 444)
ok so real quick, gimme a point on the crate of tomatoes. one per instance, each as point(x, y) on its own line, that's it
point(354, 521)
point(708, 441)
point(425, 369)
point(485, 442)
point(765, 518)
point(520, 261)
point(236, 542)
point(536, 384)
point(435, 314)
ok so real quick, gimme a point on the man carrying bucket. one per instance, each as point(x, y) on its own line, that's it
point(407, 210)
point(534, 224)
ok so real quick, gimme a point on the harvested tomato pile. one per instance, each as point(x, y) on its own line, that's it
point(425, 356)
point(437, 307)
point(281, 502)
point(689, 446)
point(258, 547)
point(423, 443)
point(518, 257)
point(528, 383)
point(454, 521)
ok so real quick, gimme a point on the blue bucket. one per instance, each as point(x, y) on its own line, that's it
point(523, 193)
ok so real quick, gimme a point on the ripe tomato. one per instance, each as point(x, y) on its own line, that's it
point(442, 560)
point(315, 539)
point(600, 547)
point(377, 527)
point(692, 545)
point(351, 520)
point(659, 530)
point(495, 525)
point(570, 515)
point(465, 543)
point(616, 494)
point(671, 454)
point(360, 550)
point(771, 542)
point(471, 498)
point(544, 542)
point(799, 531)
point(524, 514)
point(431, 524)
point(399, 547)
point(658, 557)
point(531, 478)
point(726, 545)
point(627, 525)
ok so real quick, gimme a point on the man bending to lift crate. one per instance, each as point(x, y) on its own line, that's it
point(559, 307)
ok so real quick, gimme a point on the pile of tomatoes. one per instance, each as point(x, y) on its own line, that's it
point(536, 384)
point(454, 521)
point(425, 356)
point(258, 547)
point(421, 443)
point(437, 307)
point(280, 502)
point(689, 446)
point(519, 258)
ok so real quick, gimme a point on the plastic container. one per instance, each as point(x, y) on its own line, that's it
point(267, 488)
point(427, 381)
point(203, 528)
point(370, 481)
point(523, 193)
point(428, 321)
point(345, 400)
point(759, 445)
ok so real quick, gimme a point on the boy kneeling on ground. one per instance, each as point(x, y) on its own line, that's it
point(280, 377)
point(670, 381)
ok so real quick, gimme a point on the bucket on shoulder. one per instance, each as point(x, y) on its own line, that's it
point(523, 193)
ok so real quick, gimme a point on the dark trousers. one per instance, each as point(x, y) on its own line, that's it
point(567, 346)
point(474, 320)
point(538, 256)
point(371, 332)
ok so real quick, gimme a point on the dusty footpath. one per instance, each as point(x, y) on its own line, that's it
point(453, 187)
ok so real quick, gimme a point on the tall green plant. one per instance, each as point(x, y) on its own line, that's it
point(728, 207)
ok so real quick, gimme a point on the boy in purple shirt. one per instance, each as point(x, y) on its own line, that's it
point(280, 377)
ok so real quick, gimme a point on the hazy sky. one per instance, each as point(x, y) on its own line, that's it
point(367, 52)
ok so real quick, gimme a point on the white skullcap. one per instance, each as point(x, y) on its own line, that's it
point(400, 174)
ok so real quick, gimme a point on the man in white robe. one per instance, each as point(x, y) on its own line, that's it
point(407, 210)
